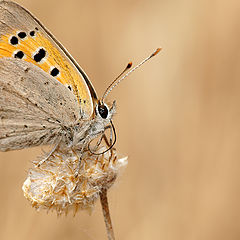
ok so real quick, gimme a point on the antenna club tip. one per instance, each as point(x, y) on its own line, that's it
point(129, 65)
point(156, 52)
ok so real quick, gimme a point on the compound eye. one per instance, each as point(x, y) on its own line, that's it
point(103, 111)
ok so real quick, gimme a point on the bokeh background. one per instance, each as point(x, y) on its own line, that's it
point(178, 120)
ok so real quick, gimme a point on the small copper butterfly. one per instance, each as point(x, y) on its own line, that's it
point(47, 99)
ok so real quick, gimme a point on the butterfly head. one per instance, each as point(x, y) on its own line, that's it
point(101, 121)
point(104, 112)
point(98, 126)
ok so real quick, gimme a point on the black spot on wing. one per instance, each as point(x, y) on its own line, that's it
point(54, 72)
point(26, 69)
point(22, 35)
point(32, 33)
point(14, 40)
point(19, 54)
point(39, 55)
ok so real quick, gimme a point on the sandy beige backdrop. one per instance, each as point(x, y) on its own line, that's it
point(178, 120)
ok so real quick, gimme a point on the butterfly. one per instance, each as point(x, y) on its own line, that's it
point(45, 96)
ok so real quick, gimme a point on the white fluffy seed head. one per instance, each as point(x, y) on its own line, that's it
point(55, 186)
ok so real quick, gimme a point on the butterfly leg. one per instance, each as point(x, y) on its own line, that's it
point(108, 143)
point(79, 161)
point(50, 154)
point(98, 143)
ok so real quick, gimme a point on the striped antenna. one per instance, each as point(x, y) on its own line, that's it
point(118, 79)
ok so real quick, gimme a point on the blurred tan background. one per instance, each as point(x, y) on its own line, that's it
point(178, 120)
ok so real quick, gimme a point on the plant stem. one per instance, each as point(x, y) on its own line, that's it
point(106, 214)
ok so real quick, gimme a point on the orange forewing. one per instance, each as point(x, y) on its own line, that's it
point(67, 74)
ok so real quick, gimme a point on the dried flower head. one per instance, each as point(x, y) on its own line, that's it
point(55, 186)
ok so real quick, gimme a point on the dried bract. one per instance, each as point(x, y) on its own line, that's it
point(55, 186)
